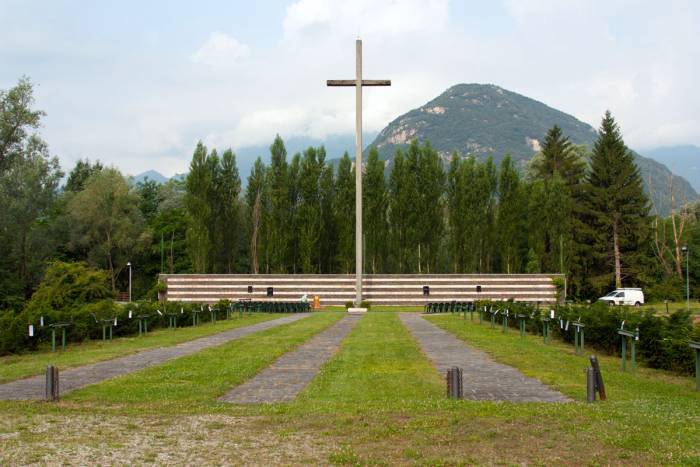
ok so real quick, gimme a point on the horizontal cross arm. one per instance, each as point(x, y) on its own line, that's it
point(352, 82)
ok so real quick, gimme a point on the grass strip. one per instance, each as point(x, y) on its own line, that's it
point(378, 362)
point(78, 354)
point(206, 375)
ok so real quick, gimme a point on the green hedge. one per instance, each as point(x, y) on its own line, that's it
point(663, 340)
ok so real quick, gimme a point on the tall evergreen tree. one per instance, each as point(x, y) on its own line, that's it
point(400, 207)
point(558, 155)
point(616, 204)
point(198, 205)
point(279, 206)
point(429, 188)
point(345, 214)
point(510, 219)
point(310, 209)
point(256, 202)
point(228, 223)
point(374, 213)
point(329, 229)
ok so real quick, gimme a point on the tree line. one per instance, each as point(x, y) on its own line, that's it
point(573, 210)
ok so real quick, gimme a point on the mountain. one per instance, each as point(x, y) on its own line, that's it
point(484, 119)
point(151, 175)
point(681, 160)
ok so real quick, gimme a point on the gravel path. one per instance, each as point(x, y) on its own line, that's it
point(483, 379)
point(71, 379)
point(292, 372)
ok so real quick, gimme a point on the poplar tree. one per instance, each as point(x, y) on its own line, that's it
point(278, 180)
point(429, 188)
point(344, 208)
point(255, 200)
point(374, 213)
point(197, 202)
point(329, 228)
point(510, 217)
point(309, 220)
point(228, 223)
point(293, 263)
point(617, 206)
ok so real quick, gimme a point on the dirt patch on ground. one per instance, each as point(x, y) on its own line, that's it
point(182, 440)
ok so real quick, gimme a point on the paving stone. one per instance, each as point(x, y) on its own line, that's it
point(482, 378)
point(292, 372)
point(71, 379)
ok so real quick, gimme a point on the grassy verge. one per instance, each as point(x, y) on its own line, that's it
point(205, 375)
point(21, 366)
point(674, 306)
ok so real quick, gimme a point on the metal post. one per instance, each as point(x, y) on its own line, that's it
point(624, 353)
point(110, 332)
point(129, 264)
point(505, 323)
point(53, 339)
point(687, 278)
point(590, 385)
point(104, 332)
point(632, 357)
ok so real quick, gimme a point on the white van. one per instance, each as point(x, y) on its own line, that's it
point(624, 297)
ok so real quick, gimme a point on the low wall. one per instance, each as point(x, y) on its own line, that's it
point(378, 289)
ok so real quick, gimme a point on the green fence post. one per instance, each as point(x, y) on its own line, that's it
point(505, 322)
point(634, 342)
point(624, 353)
point(104, 332)
point(53, 339)
point(63, 338)
point(545, 330)
point(110, 332)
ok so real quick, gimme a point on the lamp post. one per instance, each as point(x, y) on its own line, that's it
point(129, 266)
point(686, 252)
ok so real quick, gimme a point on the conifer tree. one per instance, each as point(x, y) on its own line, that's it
point(429, 188)
point(197, 202)
point(294, 217)
point(255, 200)
point(510, 218)
point(310, 209)
point(374, 212)
point(399, 208)
point(617, 206)
point(329, 228)
point(228, 224)
point(279, 206)
point(344, 208)
point(558, 155)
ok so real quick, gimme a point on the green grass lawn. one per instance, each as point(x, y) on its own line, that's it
point(674, 306)
point(77, 354)
point(378, 401)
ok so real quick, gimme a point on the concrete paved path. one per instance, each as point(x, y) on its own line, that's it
point(293, 371)
point(74, 378)
point(482, 378)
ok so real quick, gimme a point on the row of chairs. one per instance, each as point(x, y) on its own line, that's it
point(448, 307)
point(272, 307)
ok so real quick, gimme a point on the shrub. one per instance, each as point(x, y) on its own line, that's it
point(663, 340)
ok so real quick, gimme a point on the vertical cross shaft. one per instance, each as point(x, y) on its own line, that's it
point(358, 82)
point(358, 173)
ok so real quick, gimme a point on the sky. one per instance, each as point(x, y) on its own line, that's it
point(136, 84)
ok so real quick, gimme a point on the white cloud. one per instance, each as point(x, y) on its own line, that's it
point(220, 50)
point(365, 18)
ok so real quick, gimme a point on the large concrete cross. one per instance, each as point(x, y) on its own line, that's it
point(358, 82)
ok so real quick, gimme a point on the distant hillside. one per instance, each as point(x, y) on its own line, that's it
point(151, 175)
point(681, 160)
point(483, 119)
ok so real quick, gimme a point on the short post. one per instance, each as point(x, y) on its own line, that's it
point(696, 346)
point(143, 324)
point(521, 319)
point(590, 385)
point(493, 318)
point(578, 337)
point(212, 312)
point(63, 327)
point(195, 317)
point(633, 337)
point(52, 389)
point(545, 329)
point(599, 386)
point(481, 315)
point(454, 383)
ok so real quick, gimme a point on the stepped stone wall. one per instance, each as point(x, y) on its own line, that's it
point(378, 289)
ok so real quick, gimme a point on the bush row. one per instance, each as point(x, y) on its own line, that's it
point(86, 321)
point(663, 339)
